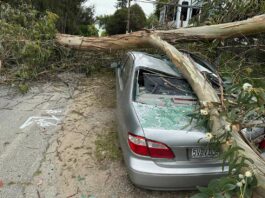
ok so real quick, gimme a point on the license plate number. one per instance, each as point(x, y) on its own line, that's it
point(203, 153)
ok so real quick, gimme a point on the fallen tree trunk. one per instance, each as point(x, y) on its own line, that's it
point(253, 25)
point(161, 40)
point(207, 96)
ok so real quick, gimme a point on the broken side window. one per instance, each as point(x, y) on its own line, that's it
point(165, 85)
point(161, 84)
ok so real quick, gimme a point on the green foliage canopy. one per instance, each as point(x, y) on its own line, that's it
point(25, 37)
point(121, 3)
point(223, 11)
point(138, 19)
point(71, 13)
point(152, 21)
point(159, 5)
point(88, 30)
point(116, 23)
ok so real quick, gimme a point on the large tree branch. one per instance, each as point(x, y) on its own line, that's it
point(223, 31)
point(250, 26)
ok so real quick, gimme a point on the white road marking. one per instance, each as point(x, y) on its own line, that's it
point(43, 121)
point(53, 111)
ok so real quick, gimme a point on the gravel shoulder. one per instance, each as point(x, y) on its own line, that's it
point(82, 158)
point(27, 126)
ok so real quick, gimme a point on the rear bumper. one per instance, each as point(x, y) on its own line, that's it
point(171, 181)
point(149, 175)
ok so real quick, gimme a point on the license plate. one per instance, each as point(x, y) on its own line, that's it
point(197, 153)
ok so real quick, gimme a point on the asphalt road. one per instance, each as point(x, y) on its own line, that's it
point(27, 128)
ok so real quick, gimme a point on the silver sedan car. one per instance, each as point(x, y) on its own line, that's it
point(160, 144)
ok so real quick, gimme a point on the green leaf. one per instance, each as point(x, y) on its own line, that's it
point(214, 184)
point(248, 159)
point(218, 195)
point(248, 193)
point(254, 181)
point(229, 187)
point(205, 190)
point(227, 195)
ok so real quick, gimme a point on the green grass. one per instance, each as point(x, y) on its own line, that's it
point(107, 146)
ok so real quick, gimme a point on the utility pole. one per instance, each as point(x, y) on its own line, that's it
point(128, 17)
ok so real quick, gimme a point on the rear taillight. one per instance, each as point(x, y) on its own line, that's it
point(138, 145)
point(159, 150)
point(145, 147)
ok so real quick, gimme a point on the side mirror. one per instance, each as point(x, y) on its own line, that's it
point(114, 65)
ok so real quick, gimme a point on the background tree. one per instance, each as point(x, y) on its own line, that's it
point(121, 3)
point(223, 11)
point(71, 13)
point(138, 19)
point(86, 15)
point(33, 47)
point(103, 20)
point(152, 21)
point(87, 27)
point(116, 23)
point(159, 5)
point(246, 52)
point(88, 30)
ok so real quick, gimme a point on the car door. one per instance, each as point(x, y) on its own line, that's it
point(123, 92)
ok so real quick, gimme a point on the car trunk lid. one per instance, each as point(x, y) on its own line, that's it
point(166, 113)
point(167, 120)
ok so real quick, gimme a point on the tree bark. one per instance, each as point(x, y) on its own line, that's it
point(161, 40)
point(250, 26)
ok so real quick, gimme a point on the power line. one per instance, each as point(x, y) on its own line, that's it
point(128, 17)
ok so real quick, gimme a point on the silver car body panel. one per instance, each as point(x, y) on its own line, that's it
point(163, 123)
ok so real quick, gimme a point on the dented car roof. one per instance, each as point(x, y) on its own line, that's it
point(146, 61)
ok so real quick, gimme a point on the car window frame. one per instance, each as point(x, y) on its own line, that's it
point(125, 70)
point(123, 62)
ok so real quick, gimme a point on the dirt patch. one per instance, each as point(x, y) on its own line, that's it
point(87, 160)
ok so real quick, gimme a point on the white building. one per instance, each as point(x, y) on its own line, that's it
point(178, 13)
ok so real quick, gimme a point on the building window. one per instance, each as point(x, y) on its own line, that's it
point(171, 12)
point(184, 11)
point(195, 12)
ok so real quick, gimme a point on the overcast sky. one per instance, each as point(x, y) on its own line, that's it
point(108, 6)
